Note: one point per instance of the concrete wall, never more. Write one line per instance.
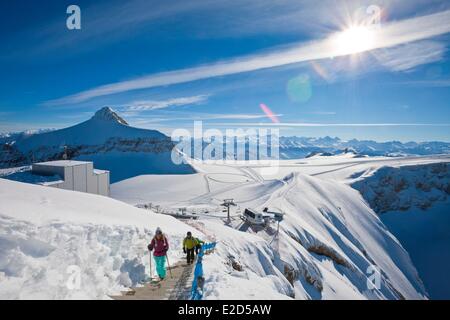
(80, 177)
(68, 178)
(103, 184)
(92, 183)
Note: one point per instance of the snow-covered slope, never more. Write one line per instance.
(329, 243)
(164, 189)
(46, 234)
(49, 236)
(107, 140)
(328, 239)
(335, 226)
(346, 168)
(104, 125)
(250, 266)
(409, 193)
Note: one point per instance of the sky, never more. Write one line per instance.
(375, 69)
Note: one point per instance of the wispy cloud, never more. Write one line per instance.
(408, 56)
(238, 116)
(201, 117)
(112, 20)
(305, 124)
(390, 35)
(146, 105)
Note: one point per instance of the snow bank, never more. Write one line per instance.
(242, 267)
(58, 244)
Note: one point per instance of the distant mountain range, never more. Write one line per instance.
(300, 147)
(304, 147)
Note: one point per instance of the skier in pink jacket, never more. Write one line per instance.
(159, 245)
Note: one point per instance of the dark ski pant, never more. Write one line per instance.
(190, 255)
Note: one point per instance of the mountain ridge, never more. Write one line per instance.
(106, 139)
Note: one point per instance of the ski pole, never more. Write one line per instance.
(168, 266)
(151, 272)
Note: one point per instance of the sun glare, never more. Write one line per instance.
(355, 40)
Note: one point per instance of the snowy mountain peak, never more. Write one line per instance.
(108, 114)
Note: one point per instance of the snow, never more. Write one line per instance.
(46, 232)
(258, 279)
(94, 131)
(300, 147)
(53, 232)
(328, 239)
(108, 114)
(403, 188)
(343, 168)
(137, 163)
(163, 189)
(62, 163)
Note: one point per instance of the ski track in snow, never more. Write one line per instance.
(399, 276)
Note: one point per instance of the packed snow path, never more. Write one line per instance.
(177, 287)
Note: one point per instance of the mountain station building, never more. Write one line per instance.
(74, 175)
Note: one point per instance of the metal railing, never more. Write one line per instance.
(197, 283)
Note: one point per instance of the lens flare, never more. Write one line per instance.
(320, 70)
(269, 113)
(299, 89)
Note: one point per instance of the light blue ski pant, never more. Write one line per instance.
(161, 266)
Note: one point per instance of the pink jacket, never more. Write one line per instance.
(160, 246)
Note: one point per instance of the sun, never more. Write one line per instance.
(354, 40)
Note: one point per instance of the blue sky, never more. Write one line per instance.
(163, 66)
